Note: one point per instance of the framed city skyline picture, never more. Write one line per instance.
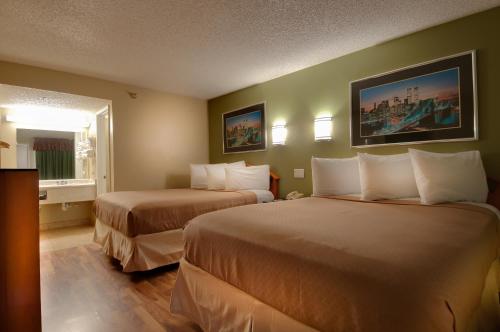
(245, 129)
(429, 102)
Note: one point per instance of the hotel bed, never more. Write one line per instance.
(143, 229)
(342, 264)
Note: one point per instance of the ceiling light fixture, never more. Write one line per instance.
(47, 118)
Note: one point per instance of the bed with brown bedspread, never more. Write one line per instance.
(143, 229)
(338, 265)
(144, 212)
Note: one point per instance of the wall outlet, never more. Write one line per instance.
(298, 173)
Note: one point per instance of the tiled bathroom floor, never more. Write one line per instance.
(64, 238)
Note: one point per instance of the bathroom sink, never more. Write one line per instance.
(43, 184)
(66, 191)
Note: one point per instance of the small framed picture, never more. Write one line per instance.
(245, 129)
(429, 102)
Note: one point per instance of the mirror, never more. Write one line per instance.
(56, 154)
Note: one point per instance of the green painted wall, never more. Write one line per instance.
(299, 97)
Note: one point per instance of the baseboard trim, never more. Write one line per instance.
(65, 223)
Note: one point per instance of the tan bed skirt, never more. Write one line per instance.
(218, 306)
(142, 252)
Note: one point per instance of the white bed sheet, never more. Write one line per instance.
(484, 205)
(263, 196)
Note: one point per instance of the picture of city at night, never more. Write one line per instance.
(244, 129)
(418, 104)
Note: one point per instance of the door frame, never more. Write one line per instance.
(110, 176)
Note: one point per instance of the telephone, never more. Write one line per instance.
(294, 195)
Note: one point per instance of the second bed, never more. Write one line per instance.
(143, 229)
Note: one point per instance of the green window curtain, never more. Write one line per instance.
(55, 158)
(55, 164)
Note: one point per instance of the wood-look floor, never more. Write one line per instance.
(67, 237)
(83, 290)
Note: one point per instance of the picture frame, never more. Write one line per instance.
(434, 101)
(244, 129)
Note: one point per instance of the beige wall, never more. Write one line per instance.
(156, 136)
(8, 135)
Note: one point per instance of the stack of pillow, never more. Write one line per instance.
(434, 177)
(233, 176)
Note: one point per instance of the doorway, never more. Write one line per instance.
(68, 139)
(103, 180)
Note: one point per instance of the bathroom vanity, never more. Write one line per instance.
(67, 191)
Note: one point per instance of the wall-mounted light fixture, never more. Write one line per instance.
(323, 128)
(279, 133)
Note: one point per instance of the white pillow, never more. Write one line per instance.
(198, 176)
(332, 176)
(252, 177)
(449, 177)
(216, 176)
(386, 177)
(240, 163)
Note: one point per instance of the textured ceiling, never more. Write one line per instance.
(206, 48)
(14, 95)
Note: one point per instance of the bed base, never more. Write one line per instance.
(214, 305)
(142, 252)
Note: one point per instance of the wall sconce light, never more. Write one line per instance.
(323, 128)
(279, 133)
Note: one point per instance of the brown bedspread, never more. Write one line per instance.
(341, 265)
(145, 212)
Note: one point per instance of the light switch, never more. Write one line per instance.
(298, 173)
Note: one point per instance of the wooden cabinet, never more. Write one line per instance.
(19, 251)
